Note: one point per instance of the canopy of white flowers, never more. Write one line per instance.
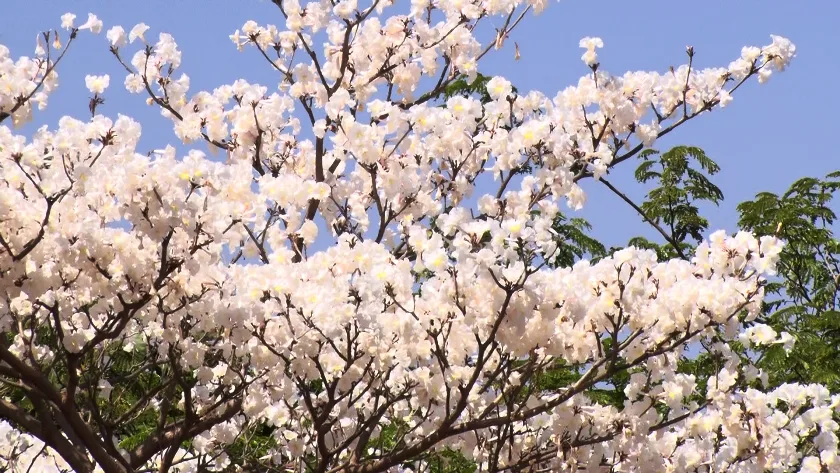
(431, 309)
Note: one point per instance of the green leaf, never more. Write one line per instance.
(681, 177)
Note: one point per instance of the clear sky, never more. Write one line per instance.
(769, 136)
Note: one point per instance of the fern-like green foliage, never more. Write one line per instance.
(574, 241)
(463, 87)
(682, 178)
(803, 299)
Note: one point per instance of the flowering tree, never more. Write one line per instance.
(170, 314)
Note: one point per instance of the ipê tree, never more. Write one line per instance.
(170, 314)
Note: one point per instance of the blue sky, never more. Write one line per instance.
(769, 136)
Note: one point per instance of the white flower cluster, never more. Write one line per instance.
(427, 315)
